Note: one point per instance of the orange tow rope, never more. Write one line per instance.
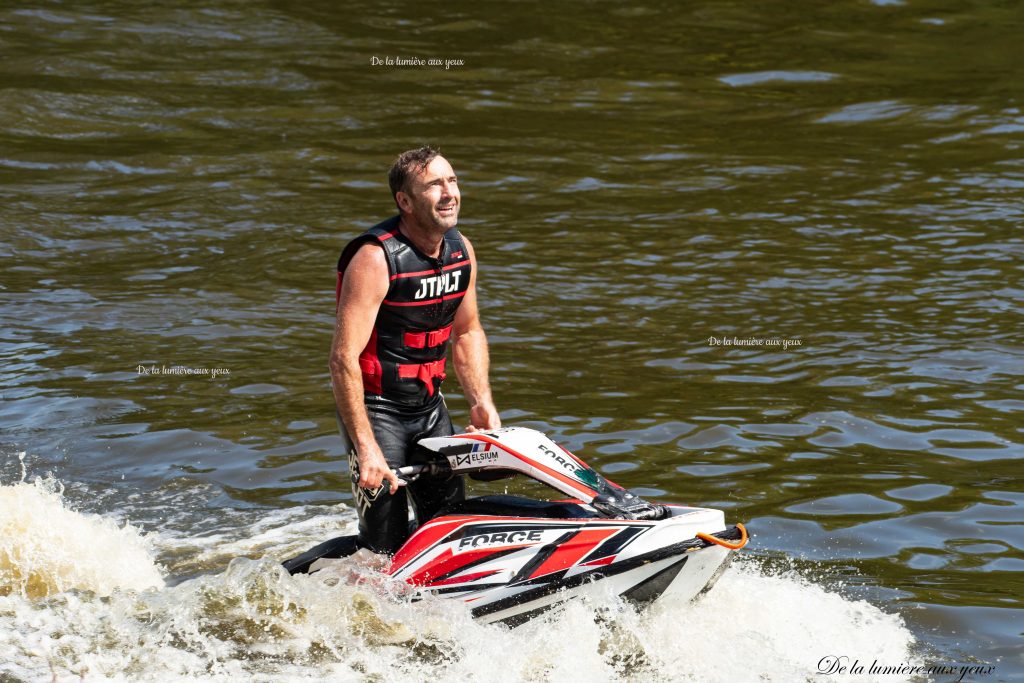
(726, 544)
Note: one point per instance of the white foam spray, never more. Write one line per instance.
(252, 621)
(46, 548)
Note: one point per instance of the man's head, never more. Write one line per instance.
(425, 189)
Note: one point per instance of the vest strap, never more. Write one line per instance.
(424, 372)
(426, 340)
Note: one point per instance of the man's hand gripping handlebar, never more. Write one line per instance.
(403, 475)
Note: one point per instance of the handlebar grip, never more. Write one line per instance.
(404, 474)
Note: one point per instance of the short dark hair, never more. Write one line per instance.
(418, 159)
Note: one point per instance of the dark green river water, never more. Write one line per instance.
(763, 257)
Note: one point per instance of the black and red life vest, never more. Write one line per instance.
(404, 361)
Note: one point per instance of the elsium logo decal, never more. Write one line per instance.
(483, 453)
(480, 454)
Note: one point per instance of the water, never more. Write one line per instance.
(251, 619)
(642, 186)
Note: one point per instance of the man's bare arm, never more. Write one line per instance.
(363, 289)
(472, 361)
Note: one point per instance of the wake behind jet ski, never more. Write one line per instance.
(510, 558)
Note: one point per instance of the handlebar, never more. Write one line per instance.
(409, 472)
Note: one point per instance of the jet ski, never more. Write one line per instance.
(511, 558)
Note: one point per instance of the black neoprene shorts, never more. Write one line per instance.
(383, 517)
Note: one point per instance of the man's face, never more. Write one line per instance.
(433, 198)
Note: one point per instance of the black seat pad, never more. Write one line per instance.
(516, 506)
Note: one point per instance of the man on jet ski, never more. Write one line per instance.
(405, 288)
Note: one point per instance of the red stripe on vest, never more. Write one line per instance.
(450, 266)
(447, 297)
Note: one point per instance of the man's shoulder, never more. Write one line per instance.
(368, 258)
(374, 242)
